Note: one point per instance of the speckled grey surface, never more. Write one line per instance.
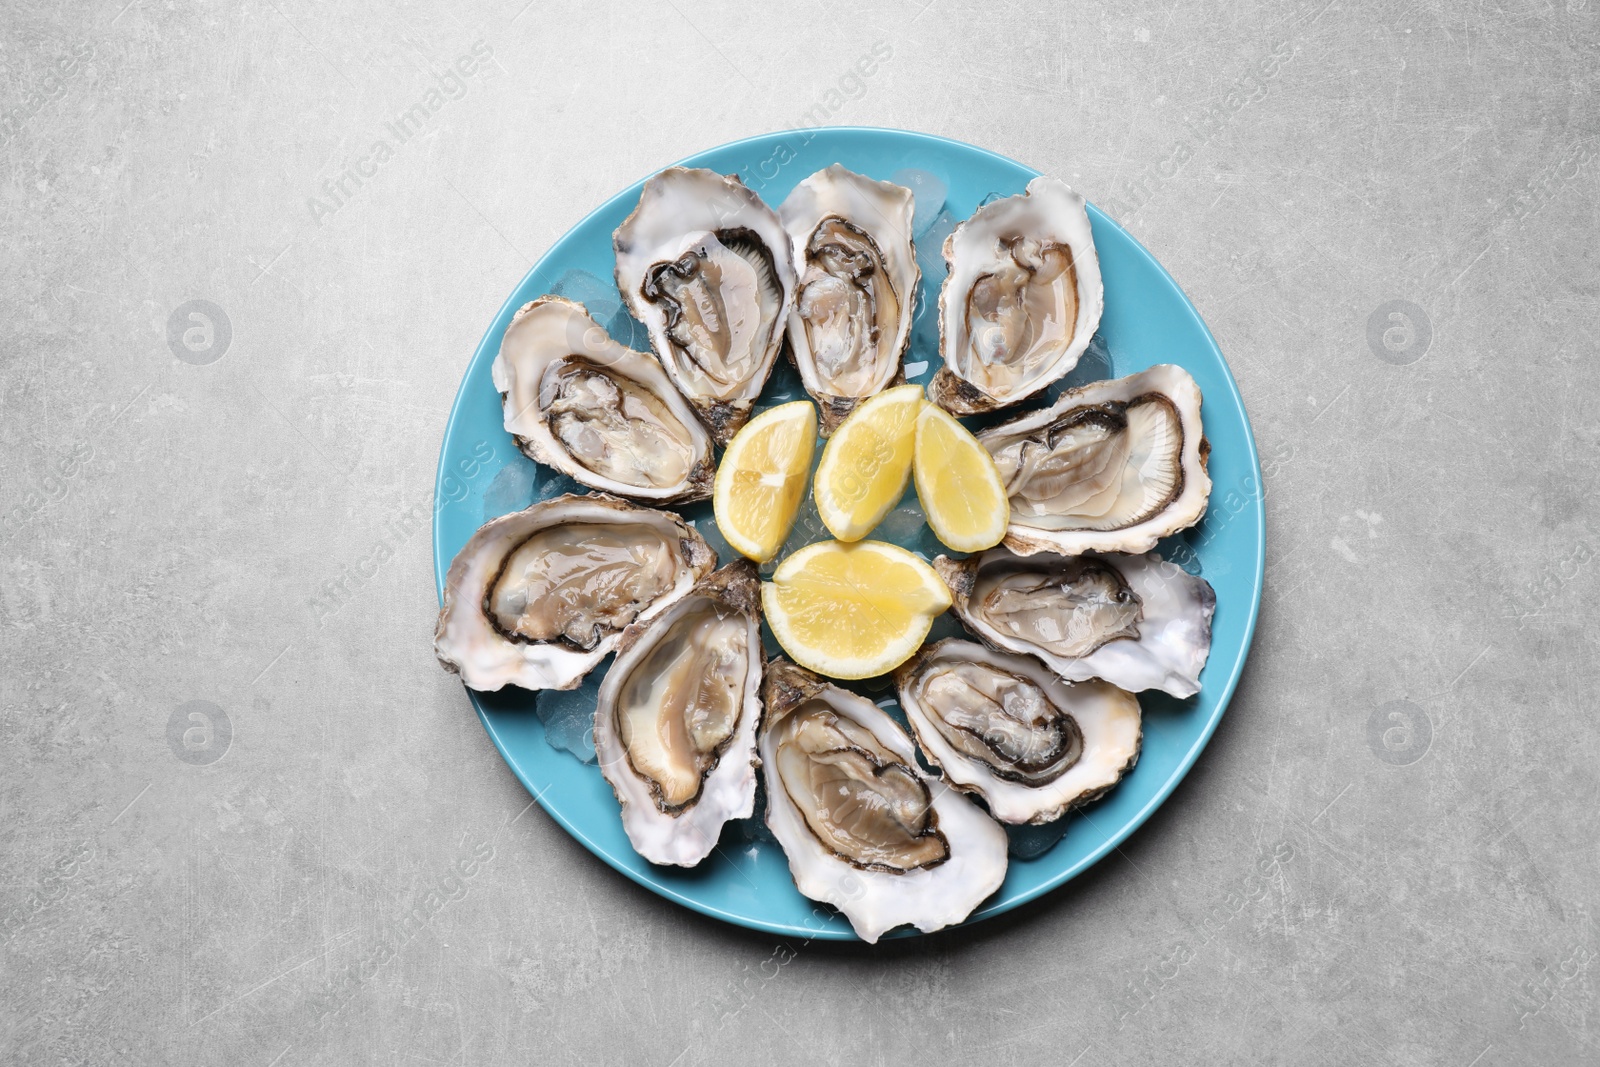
(1392, 235)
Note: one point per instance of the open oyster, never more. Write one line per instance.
(1113, 466)
(537, 598)
(1137, 622)
(857, 278)
(605, 415)
(706, 266)
(1022, 299)
(1003, 726)
(675, 726)
(864, 828)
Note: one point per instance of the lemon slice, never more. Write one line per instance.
(852, 610)
(867, 462)
(958, 484)
(762, 479)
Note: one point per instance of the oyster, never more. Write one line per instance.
(675, 726)
(605, 415)
(857, 277)
(1022, 299)
(705, 265)
(1113, 466)
(1137, 622)
(537, 598)
(1003, 726)
(864, 828)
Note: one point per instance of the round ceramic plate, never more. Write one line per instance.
(1147, 320)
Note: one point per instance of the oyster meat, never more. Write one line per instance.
(1113, 466)
(1022, 299)
(706, 266)
(857, 277)
(537, 598)
(1135, 621)
(603, 414)
(864, 828)
(1001, 725)
(675, 725)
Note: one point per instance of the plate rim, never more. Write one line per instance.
(995, 905)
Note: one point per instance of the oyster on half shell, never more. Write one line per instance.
(857, 277)
(1021, 302)
(1137, 622)
(675, 725)
(603, 414)
(864, 828)
(706, 266)
(1001, 725)
(539, 597)
(1113, 466)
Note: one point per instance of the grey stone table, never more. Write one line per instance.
(214, 536)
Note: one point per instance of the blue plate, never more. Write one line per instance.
(1147, 320)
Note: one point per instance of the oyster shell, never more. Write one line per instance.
(1001, 725)
(1137, 622)
(605, 415)
(1113, 466)
(1022, 299)
(537, 598)
(706, 266)
(864, 828)
(675, 725)
(857, 278)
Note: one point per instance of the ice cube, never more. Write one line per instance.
(557, 484)
(512, 488)
(929, 192)
(599, 297)
(568, 716)
(1093, 366)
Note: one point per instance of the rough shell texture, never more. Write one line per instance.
(679, 209)
(553, 329)
(1174, 636)
(728, 789)
(878, 901)
(1049, 210)
(1107, 718)
(882, 212)
(1187, 505)
(468, 644)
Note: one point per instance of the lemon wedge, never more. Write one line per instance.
(762, 479)
(852, 610)
(867, 463)
(958, 484)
